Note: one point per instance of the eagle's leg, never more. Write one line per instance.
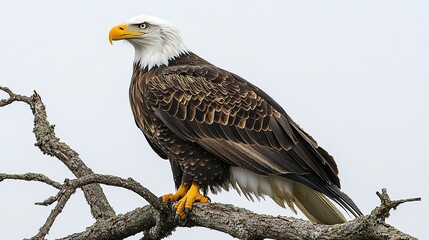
(185, 204)
(181, 191)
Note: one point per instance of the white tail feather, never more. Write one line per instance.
(314, 205)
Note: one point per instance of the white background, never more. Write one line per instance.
(353, 74)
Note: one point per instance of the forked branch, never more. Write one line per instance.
(51, 145)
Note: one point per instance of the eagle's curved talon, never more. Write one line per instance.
(187, 212)
(169, 203)
(180, 221)
(183, 223)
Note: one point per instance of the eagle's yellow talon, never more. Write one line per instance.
(193, 195)
(181, 191)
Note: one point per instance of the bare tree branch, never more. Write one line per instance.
(31, 177)
(129, 184)
(387, 204)
(119, 227)
(51, 145)
(156, 220)
(70, 186)
(13, 97)
(244, 224)
(164, 219)
(48, 201)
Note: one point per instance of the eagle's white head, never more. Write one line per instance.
(155, 40)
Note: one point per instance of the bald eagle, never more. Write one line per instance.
(219, 131)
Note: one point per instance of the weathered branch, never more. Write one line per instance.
(30, 177)
(244, 224)
(62, 197)
(241, 223)
(129, 184)
(70, 186)
(50, 144)
(119, 227)
(164, 220)
(13, 97)
(157, 220)
(387, 204)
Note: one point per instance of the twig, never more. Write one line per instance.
(387, 204)
(63, 196)
(48, 201)
(13, 97)
(31, 177)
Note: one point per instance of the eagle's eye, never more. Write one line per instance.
(142, 25)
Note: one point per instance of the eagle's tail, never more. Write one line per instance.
(315, 206)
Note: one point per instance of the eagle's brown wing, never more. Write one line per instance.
(242, 125)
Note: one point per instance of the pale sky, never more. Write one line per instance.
(354, 75)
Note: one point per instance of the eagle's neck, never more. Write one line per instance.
(158, 51)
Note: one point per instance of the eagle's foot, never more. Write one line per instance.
(184, 206)
(169, 198)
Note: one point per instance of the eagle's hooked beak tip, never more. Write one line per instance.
(116, 32)
(111, 35)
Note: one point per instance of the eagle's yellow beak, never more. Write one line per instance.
(120, 32)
